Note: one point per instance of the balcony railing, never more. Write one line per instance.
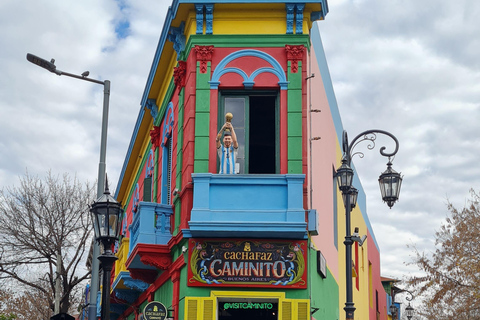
(122, 254)
(263, 206)
(151, 224)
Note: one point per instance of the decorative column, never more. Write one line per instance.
(202, 107)
(295, 55)
(294, 17)
(204, 55)
(179, 73)
(174, 272)
(155, 135)
(200, 15)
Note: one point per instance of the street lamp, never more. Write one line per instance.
(106, 215)
(352, 193)
(408, 310)
(390, 182)
(50, 66)
(393, 311)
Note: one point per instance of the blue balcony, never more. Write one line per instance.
(149, 236)
(151, 224)
(261, 206)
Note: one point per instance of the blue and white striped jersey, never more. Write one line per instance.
(228, 157)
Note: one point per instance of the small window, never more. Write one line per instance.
(255, 119)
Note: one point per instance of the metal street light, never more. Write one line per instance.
(390, 182)
(50, 66)
(345, 176)
(352, 193)
(409, 310)
(393, 311)
(106, 215)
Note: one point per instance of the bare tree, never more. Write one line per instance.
(43, 221)
(451, 287)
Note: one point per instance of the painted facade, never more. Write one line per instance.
(266, 243)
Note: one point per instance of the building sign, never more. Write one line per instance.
(155, 311)
(247, 310)
(238, 263)
(247, 305)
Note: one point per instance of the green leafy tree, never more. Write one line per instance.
(451, 287)
(42, 222)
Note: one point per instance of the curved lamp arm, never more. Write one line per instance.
(390, 181)
(369, 135)
(409, 310)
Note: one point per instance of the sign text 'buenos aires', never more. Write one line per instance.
(247, 262)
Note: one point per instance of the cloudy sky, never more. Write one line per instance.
(412, 68)
(406, 66)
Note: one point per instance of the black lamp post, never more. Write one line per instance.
(390, 182)
(106, 213)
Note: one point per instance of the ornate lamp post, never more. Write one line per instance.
(106, 214)
(408, 310)
(390, 182)
(50, 66)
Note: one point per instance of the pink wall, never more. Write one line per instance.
(374, 259)
(323, 159)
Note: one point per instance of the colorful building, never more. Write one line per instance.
(266, 243)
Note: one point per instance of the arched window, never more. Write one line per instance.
(255, 119)
(167, 151)
(148, 182)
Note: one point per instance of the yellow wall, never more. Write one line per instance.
(361, 297)
(256, 18)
